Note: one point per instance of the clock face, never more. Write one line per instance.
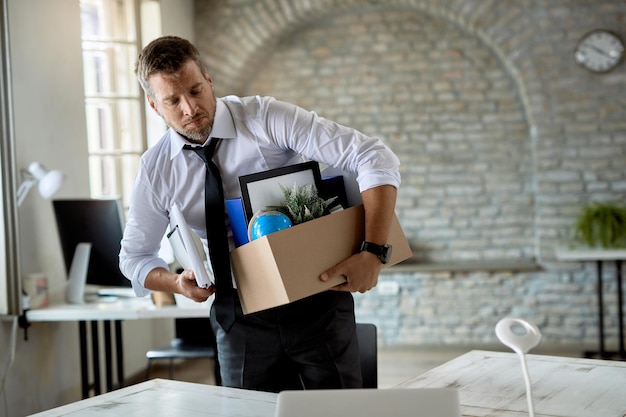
(599, 51)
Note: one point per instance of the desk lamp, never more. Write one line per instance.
(49, 181)
(521, 336)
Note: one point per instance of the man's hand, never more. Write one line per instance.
(160, 279)
(360, 270)
(186, 284)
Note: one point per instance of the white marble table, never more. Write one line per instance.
(492, 384)
(166, 398)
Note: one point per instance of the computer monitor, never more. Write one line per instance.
(99, 222)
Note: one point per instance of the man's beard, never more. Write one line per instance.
(194, 136)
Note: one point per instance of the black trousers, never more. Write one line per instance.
(308, 344)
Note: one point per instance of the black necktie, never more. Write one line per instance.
(217, 236)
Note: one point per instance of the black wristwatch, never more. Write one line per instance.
(382, 251)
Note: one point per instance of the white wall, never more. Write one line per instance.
(177, 18)
(49, 122)
(50, 128)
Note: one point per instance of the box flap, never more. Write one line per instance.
(324, 241)
(251, 262)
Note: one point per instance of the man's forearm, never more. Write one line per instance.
(160, 279)
(379, 204)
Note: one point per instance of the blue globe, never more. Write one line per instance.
(266, 222)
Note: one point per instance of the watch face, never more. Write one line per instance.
(599, 51)
(386, 257)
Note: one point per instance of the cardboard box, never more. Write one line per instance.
(285, 266)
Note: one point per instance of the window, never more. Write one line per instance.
(113, 98)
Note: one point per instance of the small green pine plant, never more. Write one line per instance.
(601, 225)
(302, 203)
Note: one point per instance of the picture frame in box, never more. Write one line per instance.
(262, 189)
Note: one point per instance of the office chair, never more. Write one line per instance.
(368, 348)
(194, 339)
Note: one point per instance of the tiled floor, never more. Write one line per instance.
(395, 365)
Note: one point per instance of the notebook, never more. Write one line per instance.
(392, 402)
(185, 250)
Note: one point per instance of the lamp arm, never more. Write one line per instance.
(24, 188)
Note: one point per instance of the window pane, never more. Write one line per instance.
(102, 176)
(94, 72)
(108, 20)
(100, 136)
(129, 169)
(129, 126)
(113, 175)
(114, 125)
(108, 69)
(113, 100)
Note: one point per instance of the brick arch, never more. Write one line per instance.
(447, 108)
(240, 39)
(424, 167)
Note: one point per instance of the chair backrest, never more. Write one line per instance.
(368, 347)
(198, 331)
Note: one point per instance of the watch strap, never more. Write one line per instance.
(382, 251)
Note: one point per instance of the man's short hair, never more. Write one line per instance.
(165, 55)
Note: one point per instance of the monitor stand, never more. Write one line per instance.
(75, 289)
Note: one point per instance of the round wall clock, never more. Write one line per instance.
(599, 50)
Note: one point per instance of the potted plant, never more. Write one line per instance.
(302, 203)
(602, 226)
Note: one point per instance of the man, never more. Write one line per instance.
(310, 343)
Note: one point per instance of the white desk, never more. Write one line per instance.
(120, 309)
(111, 314)
(165, 398)
(599, 256)
(489, 384)
(492, 384)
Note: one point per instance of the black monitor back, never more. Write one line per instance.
(99, 222)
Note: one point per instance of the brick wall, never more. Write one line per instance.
(502, 138)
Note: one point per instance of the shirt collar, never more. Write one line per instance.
(223, 127)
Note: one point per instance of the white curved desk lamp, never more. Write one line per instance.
(521, 342)
(49, 181)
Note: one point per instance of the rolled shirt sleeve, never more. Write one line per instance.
(333, 144)
(146, 225)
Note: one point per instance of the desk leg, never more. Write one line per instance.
(620, 309)
(84, 370)
(119, 351)
(95, 356)
(602, 351)
(108, 355)
(95, 349)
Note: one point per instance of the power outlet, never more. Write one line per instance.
(388, 288)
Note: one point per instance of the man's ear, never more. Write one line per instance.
(152, 105)
(207, 77)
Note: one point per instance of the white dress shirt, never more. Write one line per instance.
(259, 133)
